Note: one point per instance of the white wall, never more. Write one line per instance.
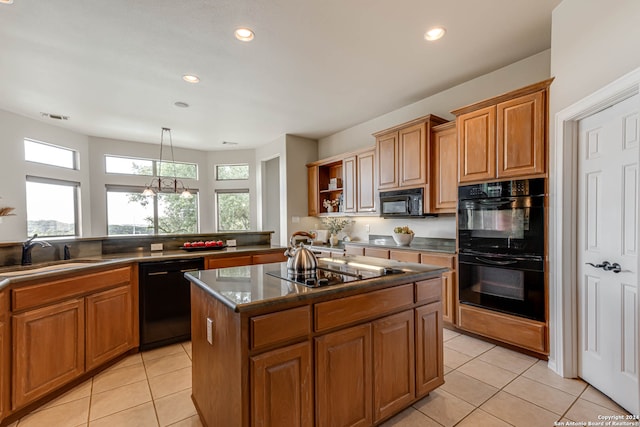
(522, 73)
(592, 43)
(207, 204)
(14, 169)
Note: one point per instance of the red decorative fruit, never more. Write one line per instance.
(187, 244)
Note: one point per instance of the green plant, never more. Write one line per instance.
(335, 224)
(403, 230)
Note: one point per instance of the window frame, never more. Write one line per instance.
(217, 206)
(138, 189)
(74, 154)
(217, 174)
(155, 169)
(76, 201)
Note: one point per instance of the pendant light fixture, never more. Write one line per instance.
(163, 184)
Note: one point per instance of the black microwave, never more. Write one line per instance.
(402, 203)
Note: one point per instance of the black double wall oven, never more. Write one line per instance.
(501, 238)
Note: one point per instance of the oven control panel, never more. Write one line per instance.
(515, 188)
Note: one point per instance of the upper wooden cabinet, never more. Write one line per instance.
(403, 153)
(359, 182)
(504, 137)
(354, 173)
(444, 152)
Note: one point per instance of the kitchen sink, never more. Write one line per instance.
(42, 268)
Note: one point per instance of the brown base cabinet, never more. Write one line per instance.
(48, 349)
(343, 377)
(66, 327)
(282, 395)
(109, 325)
(354, 360)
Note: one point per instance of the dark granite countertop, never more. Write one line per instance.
(17, 274)
(420, 244)
(250, 287)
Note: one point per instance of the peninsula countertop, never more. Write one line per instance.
(249, 287)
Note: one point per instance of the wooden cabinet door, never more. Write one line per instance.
(282, 387)
(429, 351)
(413, 154)
(48, 349)
(350, 178)
(366, 182)
(520, 136)
(313, 195)
(477, 145)
(109, 325)
(4, 369)
(448, 296)
(387, 158)
(444, 185)
(393, 364)
(343, 378)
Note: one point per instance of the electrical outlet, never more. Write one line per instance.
(210, 330)
(231, 242)
(156, 246)
(367, 228)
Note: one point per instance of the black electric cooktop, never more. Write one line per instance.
(332, 272)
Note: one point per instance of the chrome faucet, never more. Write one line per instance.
(28, 245)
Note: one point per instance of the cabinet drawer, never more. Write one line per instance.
(440, 260)
(428, 291)
(376, 252)
(235, 261)
(331, 314)
(280, 327)
(267, 258)
(57, 290)
(521, 332)
(406, 256)
(353, 250)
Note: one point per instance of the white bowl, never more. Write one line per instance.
(403, 239)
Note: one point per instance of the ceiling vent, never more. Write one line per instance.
(54, 116)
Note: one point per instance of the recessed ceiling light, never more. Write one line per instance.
(181, 104)
(55, 116)
(6, 1)
(434, 33)
(190, 78)
(244, 34)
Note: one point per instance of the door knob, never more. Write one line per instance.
(607, 266)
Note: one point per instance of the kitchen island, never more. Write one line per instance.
(271, 352)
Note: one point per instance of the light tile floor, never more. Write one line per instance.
(485, 385)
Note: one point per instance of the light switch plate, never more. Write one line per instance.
(231, 242)
(156, 246)
(210, 330)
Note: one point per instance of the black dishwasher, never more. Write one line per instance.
(165, 301)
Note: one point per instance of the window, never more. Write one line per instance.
(134, 166)
(40, 152)
(229, 172)
(52, 207)
(233, 210)
(129, 212)
(128, 166)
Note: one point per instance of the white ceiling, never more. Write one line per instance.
(315, 66)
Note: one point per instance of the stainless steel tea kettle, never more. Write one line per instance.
(301, 259)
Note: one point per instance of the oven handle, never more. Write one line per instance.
(494, 262)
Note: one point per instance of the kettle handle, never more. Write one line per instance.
(299, 233)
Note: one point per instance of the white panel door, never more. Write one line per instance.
(608, 251)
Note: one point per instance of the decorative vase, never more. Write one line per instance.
(333, 240)
(403, 239)
(329, 208)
